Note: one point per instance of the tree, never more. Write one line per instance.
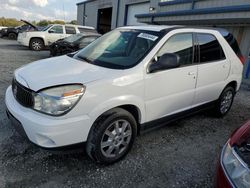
(74, 22)
(9, 22)
(43, 23)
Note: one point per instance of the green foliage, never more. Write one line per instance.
(74, 22)
(12, 22)
(47, 22)
(9, 22)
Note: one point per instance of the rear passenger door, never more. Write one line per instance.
(213, 68)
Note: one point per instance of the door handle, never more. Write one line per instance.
(191, 73)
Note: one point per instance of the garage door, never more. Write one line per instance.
(140, 8)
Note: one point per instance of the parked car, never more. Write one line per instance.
(40, 39)
(12, 32)
(72, 43)
(127, 81)
(234, 167)
(3, 27)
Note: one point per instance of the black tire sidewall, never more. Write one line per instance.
(98, 131)
(218, 111)
(12, 36)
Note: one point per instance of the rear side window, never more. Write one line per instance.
(210, 48)
(180, 44)
(232, 42)
(70, 30)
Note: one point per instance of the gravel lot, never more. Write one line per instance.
(183, 154)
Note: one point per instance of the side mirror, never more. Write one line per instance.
(166, 61)
(52, 31)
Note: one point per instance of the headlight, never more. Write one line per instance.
(58, 100)
(236, 169)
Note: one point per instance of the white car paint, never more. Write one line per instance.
(155, 95)
(48, 38)
(2, 27)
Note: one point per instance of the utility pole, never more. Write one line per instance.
(63, 12)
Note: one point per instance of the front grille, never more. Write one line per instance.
(22, 94)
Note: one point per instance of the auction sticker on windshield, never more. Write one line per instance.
(148, 36)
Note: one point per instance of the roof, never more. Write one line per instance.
(159, 28)
(152, 27)
(83, 2)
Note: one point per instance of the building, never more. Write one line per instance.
(234, 15)
(105, 15)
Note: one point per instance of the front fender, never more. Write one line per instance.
(119, 101)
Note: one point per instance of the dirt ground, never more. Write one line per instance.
(183, 154)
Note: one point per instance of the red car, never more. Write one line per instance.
(234, 167)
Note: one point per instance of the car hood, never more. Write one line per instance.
(30, 24)
(58, 71)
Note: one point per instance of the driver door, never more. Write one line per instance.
(55, 33)
(171, 91)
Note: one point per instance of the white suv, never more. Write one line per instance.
(38, 40)
(129, 80)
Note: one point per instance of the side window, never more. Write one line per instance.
(210, 48)
(58, 29)
(180, 44)
(70, 30)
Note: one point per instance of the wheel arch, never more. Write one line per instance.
(135, 111)
(233, 84)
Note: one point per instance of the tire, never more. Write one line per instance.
(224, 103)
(107, 143)
(36, 44)
(12, 36)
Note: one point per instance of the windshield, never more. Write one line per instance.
(73, 38)
(119, 49)
(46, 28)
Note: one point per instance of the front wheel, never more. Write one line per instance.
(112, 136)
(225, 102)
(36, 44)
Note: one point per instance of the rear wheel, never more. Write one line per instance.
(12, 36)
(112, 136)
(225, 102)
(36, 44)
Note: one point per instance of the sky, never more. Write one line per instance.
(39, 9)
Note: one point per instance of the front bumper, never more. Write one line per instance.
(47, 131)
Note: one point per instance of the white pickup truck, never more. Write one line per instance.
(38, 40)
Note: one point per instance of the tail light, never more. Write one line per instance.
(242, 59)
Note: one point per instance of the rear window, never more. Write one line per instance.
(210, 48)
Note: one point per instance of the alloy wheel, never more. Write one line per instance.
(36, 45)
(116, 138)
(226, 102)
